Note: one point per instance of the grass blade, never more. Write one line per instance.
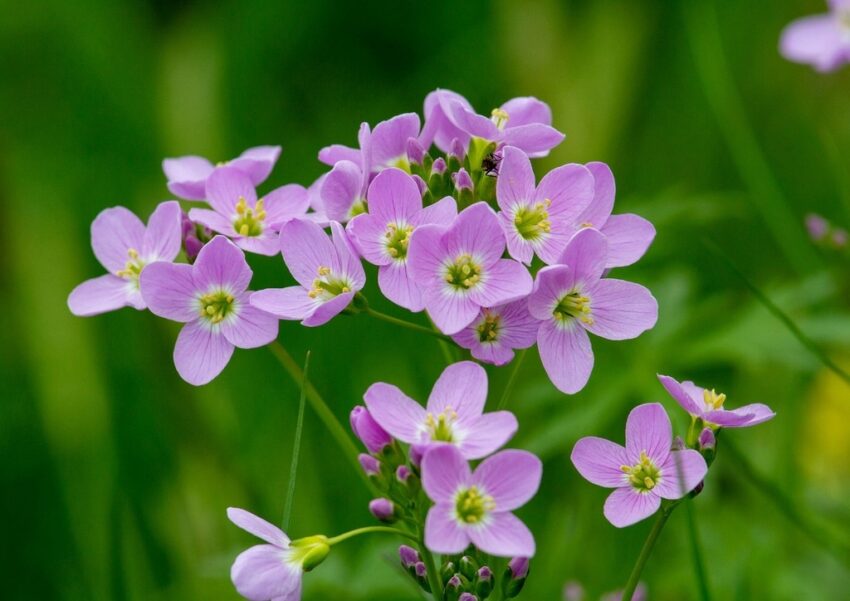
(296, 447)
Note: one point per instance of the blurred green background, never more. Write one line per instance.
(115, 474)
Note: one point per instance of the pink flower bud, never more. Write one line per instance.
(373, 436)
(382, 509)
(370, 465)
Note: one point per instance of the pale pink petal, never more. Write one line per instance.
(502, 282)
(285, 203)
(349, 263)
(527, 109)
(566, 354)
(476, 232)
(162, 238)
(503, 535)
(225, 187)
(693, 405)
(444, 471)
(599, 461)
(341, 189)
(368, 234)
(569, 189)
(291, 303)
(262, 573)
(488, 433)
(396, 284)
(599, 210)
(621, 310)
(442, 532)
(551, 283)
(462, 387)
(250, 327)
(680, 474)
(306, 248)
(389, 139)
(99, 295)
(393, 197)
(648, 430)
(536, 139)
(442, 212)
(450, 311)
(515, 184)
(169, 291)
(816, 40)
(426, 254)
(627, 506)
(748, 415)
(215, 221)
(511, 477)
(187, 176)
(114, 232)
(257, 526)
(331, 155)
(221, 264)
(629, 236)
(201, 353)
(586, 255)
(266, 244)
(257, 162)
(395, 412)
(327, 310)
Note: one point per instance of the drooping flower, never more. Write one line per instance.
(343, 190)
(572, 299)
(475, 507)
(822, 41)
(211, 298)
(643, 472)
(187, 175)
(539, 219)
(524, 122)
(438, 129)
(367, 430)
(497, 331)
(124, 246)
(388, 145)
(629, 235)
(273, 571)
(460, 268)
(454, 413)
(383, 234)
(327, 271)
(252, 224)
(707, 405)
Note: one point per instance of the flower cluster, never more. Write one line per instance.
(449, 212)
(822, 41)
(653, 468)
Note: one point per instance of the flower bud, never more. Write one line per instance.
(420, 183)
(383, 510)
(707, 440)
(439, 166)
(420, 569)
(678, 444)
(456, 150)
(402, 474)
(454, 588)
(467, 597)
(409, 556)
(484, 582)
(310, 551)
(417, 451)
(447, 571)
(514, 577)
(373, 436)
(462, 180)
(370, 465)
(573, 591)
(839, 238)
(468, 567)
(817, 227)
(415, 151)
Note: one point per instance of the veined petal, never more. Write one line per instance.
(444, 471)
(327, 310)
(396, 284)
(187, 176)
(257, 526)
(551, 283)
(349, 262)
(599, 210)
(215, 221)
(442, 212)
(99, 295)
(341, 189)
(648, 430)
(257, 162)
(266, 244)
(393, 197)
(226, 186)
(426, 254)
(621, 310)
(389, 139)
(569, 189)
(251, 328)
(527, 109)
(511, 477)
(488, 433)
(477, 232)
(442, 532)
(462, 387)
(169, 291)
(694, 406)
(627, 506)
(629, 236)
(586, 254)
(748, 415)
(450, 311)
(515, 184)
(599, 460)
(113, 233)
(536, 139)
(566, 354)
(306, 248)
(162, 237)
(395, 412)
(221, 264)
(503, 281)
(680, 474)
(285, 203)
(503, 535)
(290, 303)
(368, 233)
(201, 353)
(261, 573)
(331, 155)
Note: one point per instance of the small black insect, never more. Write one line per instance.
(490, 164)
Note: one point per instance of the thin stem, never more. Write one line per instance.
(430, 566)
(779, 314)
(406, 324)
(368, 530)
(696, 553)
(506, 393)
(321, 408)
(838, 547)
(296, 447)
(631, 585)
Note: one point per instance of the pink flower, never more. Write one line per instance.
(327, 271)
(496, 332)
(707, 405)
(475, 507)
(211, 298)
(643, 472)
(573, 299)
(343, 189)
(822, 41)
(387, 145)
(383, 234)
(454, 415)
(124, 246)
(187, 175)
(460, 268)
(252, 224)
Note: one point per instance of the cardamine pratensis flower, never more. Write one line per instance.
(539, 219)
(273, 571)
(252, 224)
(383, 234)
(327, 270)
(454, 413)
(822, 41)
(643, 472)
(388, 145)
(475, 507)
(460, 268)
(124, 246)
(211, 298)
(707, 405)
(343, 190)
(497, 331)
(373, 436)
(187, 175)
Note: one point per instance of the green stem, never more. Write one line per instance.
(406, 324)
(779, 314)
(837, 547)
(506, 393)
(430, 566)
(296, 447)
(368, 530)
(696, 553)
(631, 585)
(321, 408)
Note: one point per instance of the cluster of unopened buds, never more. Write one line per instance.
(452, 216)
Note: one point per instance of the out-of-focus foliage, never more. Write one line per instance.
(115, 473)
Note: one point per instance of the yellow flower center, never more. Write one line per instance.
(644, 475)
(464, 273)
(326, 286)
(488, 329)
(472, 505)
(132, 268)
(500, 117)
(712, 399)
(573, 306)
(532, 222)
(215, 306)
(397, 240)
(440, 425)
(249, 221)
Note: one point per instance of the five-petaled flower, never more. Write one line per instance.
(497, 331)
(187, 175)
(327, 271)
(251, 223)
(454, 413)
(643, 472)
(572, 299)
(383, 234)
(124, 246)
(475, 507)
(707, 405)
(211, 298)
(540, 219)
(460, 268)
